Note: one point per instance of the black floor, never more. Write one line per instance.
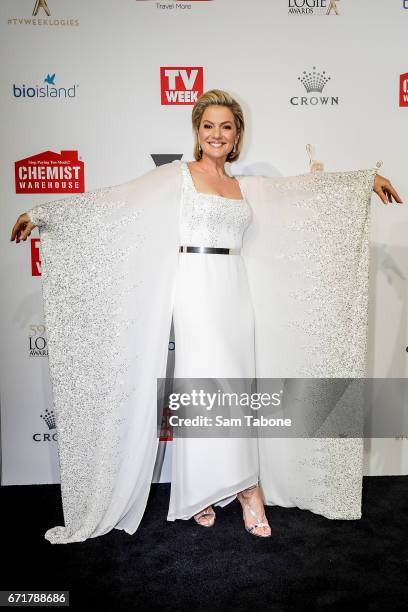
(309, 562)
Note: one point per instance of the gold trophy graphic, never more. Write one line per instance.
(332, 7)
(41, 4)
(314, 164)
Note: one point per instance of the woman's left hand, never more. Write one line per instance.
(385, 190)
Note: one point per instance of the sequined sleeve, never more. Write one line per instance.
(48, 213)
(307, 259)
(37, 214)
(107, 256)
(355, 182)
(311, 233)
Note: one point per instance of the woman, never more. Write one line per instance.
(112, 278)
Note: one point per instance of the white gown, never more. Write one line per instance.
(214, 337)
(111, 301)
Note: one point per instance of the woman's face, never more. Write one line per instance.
(217, 133)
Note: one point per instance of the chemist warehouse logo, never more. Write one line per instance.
(314, 83)
(48, 417)
(313, 7)
(181, 84)
(50, 172)
(51, 89)
(41, 16)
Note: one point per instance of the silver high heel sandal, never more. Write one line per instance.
(259, 521)
(208, 515)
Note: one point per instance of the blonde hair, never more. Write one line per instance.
(223, 98)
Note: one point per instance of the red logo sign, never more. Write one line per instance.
(404, 89)
(166, 430)
(182, 85)
(50, 172)
(35, 257)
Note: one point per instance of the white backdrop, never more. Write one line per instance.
(110, 57)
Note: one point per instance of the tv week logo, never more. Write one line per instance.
(181, 85)
(35, 257)
(403, 90)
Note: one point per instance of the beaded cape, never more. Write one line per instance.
(109, 260)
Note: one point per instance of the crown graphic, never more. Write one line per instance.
(49, 417)
(314, 81)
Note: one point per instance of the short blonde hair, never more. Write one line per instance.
(223, 98)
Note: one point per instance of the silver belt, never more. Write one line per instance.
(217, 250)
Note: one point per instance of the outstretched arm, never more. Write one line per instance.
(385, 190)
(22, 228)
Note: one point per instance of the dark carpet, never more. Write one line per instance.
(310, 562)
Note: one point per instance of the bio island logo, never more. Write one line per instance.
(49, 90)
(314, 82)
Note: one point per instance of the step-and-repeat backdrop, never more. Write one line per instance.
(96, 93)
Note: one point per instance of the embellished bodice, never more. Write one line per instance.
(210, 219)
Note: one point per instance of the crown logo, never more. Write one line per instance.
(49, 417)
(314, 81)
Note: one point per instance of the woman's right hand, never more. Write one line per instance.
(22, 228)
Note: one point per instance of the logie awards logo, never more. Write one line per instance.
(41, 16)
(313, 7)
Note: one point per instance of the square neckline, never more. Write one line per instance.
(217, 195)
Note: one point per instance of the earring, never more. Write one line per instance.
(234, 149)
(199, 148)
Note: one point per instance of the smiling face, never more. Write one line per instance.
(217, 133)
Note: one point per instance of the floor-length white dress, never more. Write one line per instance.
(214, 338)
(303, 268)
